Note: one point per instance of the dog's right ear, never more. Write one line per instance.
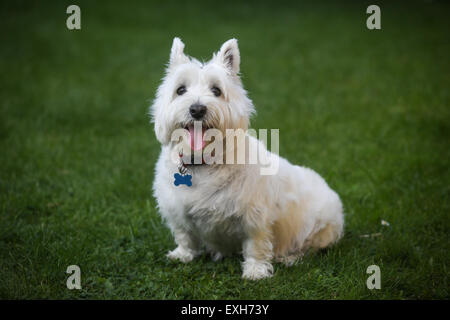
(177, 55)
(229, 57)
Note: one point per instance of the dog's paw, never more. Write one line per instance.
(181, 254)
(255, 270)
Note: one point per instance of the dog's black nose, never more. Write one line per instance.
(197, 110)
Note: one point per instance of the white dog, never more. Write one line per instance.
(233, 208)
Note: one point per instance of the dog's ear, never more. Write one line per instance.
(177, 55)
(229, 57)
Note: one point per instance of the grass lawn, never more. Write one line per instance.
(368, 110)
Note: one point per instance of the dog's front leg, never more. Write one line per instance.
(188, 246)
(258, 253)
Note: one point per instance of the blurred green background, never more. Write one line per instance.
(368, 110)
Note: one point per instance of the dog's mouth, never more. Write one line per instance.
(196, 136)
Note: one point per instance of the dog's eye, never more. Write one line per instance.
(181, 90)
(216, 91)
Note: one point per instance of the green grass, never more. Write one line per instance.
(368, 110)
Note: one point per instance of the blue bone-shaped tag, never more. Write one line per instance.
(179, 179)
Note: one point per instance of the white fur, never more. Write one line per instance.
(232, 208)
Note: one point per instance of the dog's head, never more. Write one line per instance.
(209, 92)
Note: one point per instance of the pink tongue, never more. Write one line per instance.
(197, 142)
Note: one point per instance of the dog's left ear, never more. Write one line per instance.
(229, 57)
(177, 55)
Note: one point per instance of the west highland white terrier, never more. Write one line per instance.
(224, 208)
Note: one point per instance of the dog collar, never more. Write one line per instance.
(182, 177)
